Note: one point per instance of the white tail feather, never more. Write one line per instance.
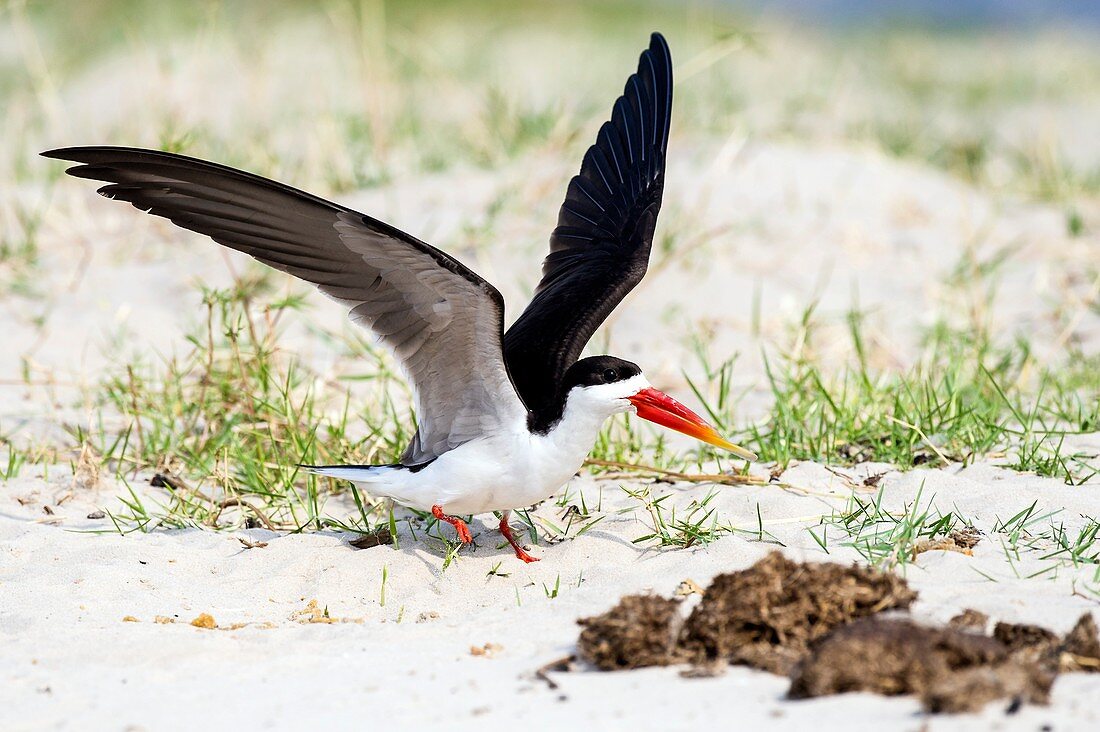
(354, 473)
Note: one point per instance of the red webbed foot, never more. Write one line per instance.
(507, 531)
(460, 526)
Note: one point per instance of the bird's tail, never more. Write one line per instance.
(354, 473)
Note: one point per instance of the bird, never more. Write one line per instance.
(504, 417)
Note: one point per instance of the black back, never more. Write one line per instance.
(600, 248)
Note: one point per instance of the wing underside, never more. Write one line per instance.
(442, 321)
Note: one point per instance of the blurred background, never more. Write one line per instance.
(350, 93)
(891, 173)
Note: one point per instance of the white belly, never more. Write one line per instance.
(485, 475)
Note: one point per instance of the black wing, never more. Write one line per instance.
(600, 248)
(443, 322)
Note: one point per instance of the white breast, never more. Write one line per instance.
(509, 468)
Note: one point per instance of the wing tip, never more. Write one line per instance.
(118, 154)
(75, 154)
(84, 167)
(658, 47)
(60, 153)
(86, 158)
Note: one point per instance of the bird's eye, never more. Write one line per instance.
(609, 375)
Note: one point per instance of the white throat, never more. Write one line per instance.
(586, 410)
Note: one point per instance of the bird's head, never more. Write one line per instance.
(612, 385)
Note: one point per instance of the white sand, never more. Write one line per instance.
(70, 662)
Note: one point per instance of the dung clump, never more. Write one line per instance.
(1025, 637)
(970, 689)
(819, 624)
(642, 630)
(969, 619)
(766, 616)
(947, 669)
(1080, 650)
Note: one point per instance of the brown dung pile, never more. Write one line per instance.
(949, 670)
(764, 616)
(1079, 650)
(820, 624)
(642, 630)
(767, 616)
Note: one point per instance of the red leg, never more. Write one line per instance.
(459, 524)
(507, 531)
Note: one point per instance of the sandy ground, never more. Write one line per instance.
(791, 223)
(71, 661)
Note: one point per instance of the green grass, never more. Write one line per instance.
(883, 537)
(20, 251)
(575, 518)
(698, 524)
(12, 464)
(892, 538)
(235, 415)
(228, 421)
(964, 399)
(1079, 547)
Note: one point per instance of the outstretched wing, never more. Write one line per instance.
(600, 248)
(442, 321)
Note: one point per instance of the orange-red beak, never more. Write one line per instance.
(658, 407)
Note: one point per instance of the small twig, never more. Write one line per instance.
(847, 480)
(727, 478)
(375, 538)
(1090, 598)
(871, 481)
(562, 664)
(921, 434)
(231, 502)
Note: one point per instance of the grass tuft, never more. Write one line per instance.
(964, 399)
(227, 424)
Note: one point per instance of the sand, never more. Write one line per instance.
(72, 659)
